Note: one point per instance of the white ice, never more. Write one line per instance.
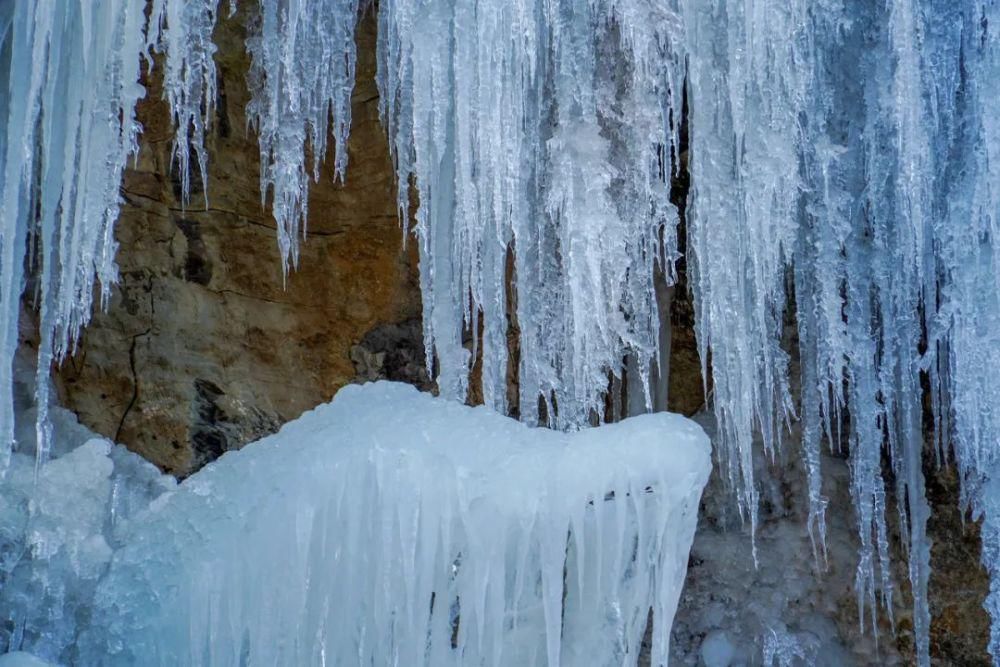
(539, 138)
(392, 527)
(69, 82)
(301, 79)
(59, 529)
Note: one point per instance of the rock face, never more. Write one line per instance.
(733, 610)
(804, 609)
(203, 346)
(960, 626)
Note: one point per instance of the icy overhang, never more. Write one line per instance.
(391, 527)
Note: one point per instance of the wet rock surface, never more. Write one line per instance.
(803, 608)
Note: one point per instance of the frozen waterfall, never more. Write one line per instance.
(843, 156)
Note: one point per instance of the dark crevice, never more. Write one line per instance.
(131, 360)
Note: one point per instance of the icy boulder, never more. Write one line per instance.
(59, 524)
(390, 527)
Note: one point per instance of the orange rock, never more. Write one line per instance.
(203, 346)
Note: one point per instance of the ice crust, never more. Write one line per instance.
(391, 527)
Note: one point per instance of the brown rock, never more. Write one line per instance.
(203, 347)
(960, 626)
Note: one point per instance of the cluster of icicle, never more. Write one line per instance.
(301, 78)
(843, 161)
(844, 167)
(543, 131)
(846, 153)
(70, 71)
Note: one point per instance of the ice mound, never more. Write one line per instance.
(60, 522)
(390, 527)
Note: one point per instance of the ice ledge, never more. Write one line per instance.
(392, 527)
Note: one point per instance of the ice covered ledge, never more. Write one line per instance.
(392, 527)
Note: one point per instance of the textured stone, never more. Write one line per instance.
(393, 352)
(960, 626)
(787, 593)
(203, 347)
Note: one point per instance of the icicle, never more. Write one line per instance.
(847, 149)
(557, 145)
(302, 73)
(801, 161)
(746, 75)
(967, 322)
(182, 30)
(71, 73)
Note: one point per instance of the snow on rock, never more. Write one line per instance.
(392, 527)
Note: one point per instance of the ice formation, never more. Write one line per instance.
(67, 126)
(843, 158)
(862, 204)
(379, 526)
(70, 71)
(540, 139)
(884, 213)
(57, 536)
(59, 529)
(182, 31)
(301, 78)
(392, 527)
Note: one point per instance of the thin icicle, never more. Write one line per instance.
(302, 74)
(747, 69)
(182, 30)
